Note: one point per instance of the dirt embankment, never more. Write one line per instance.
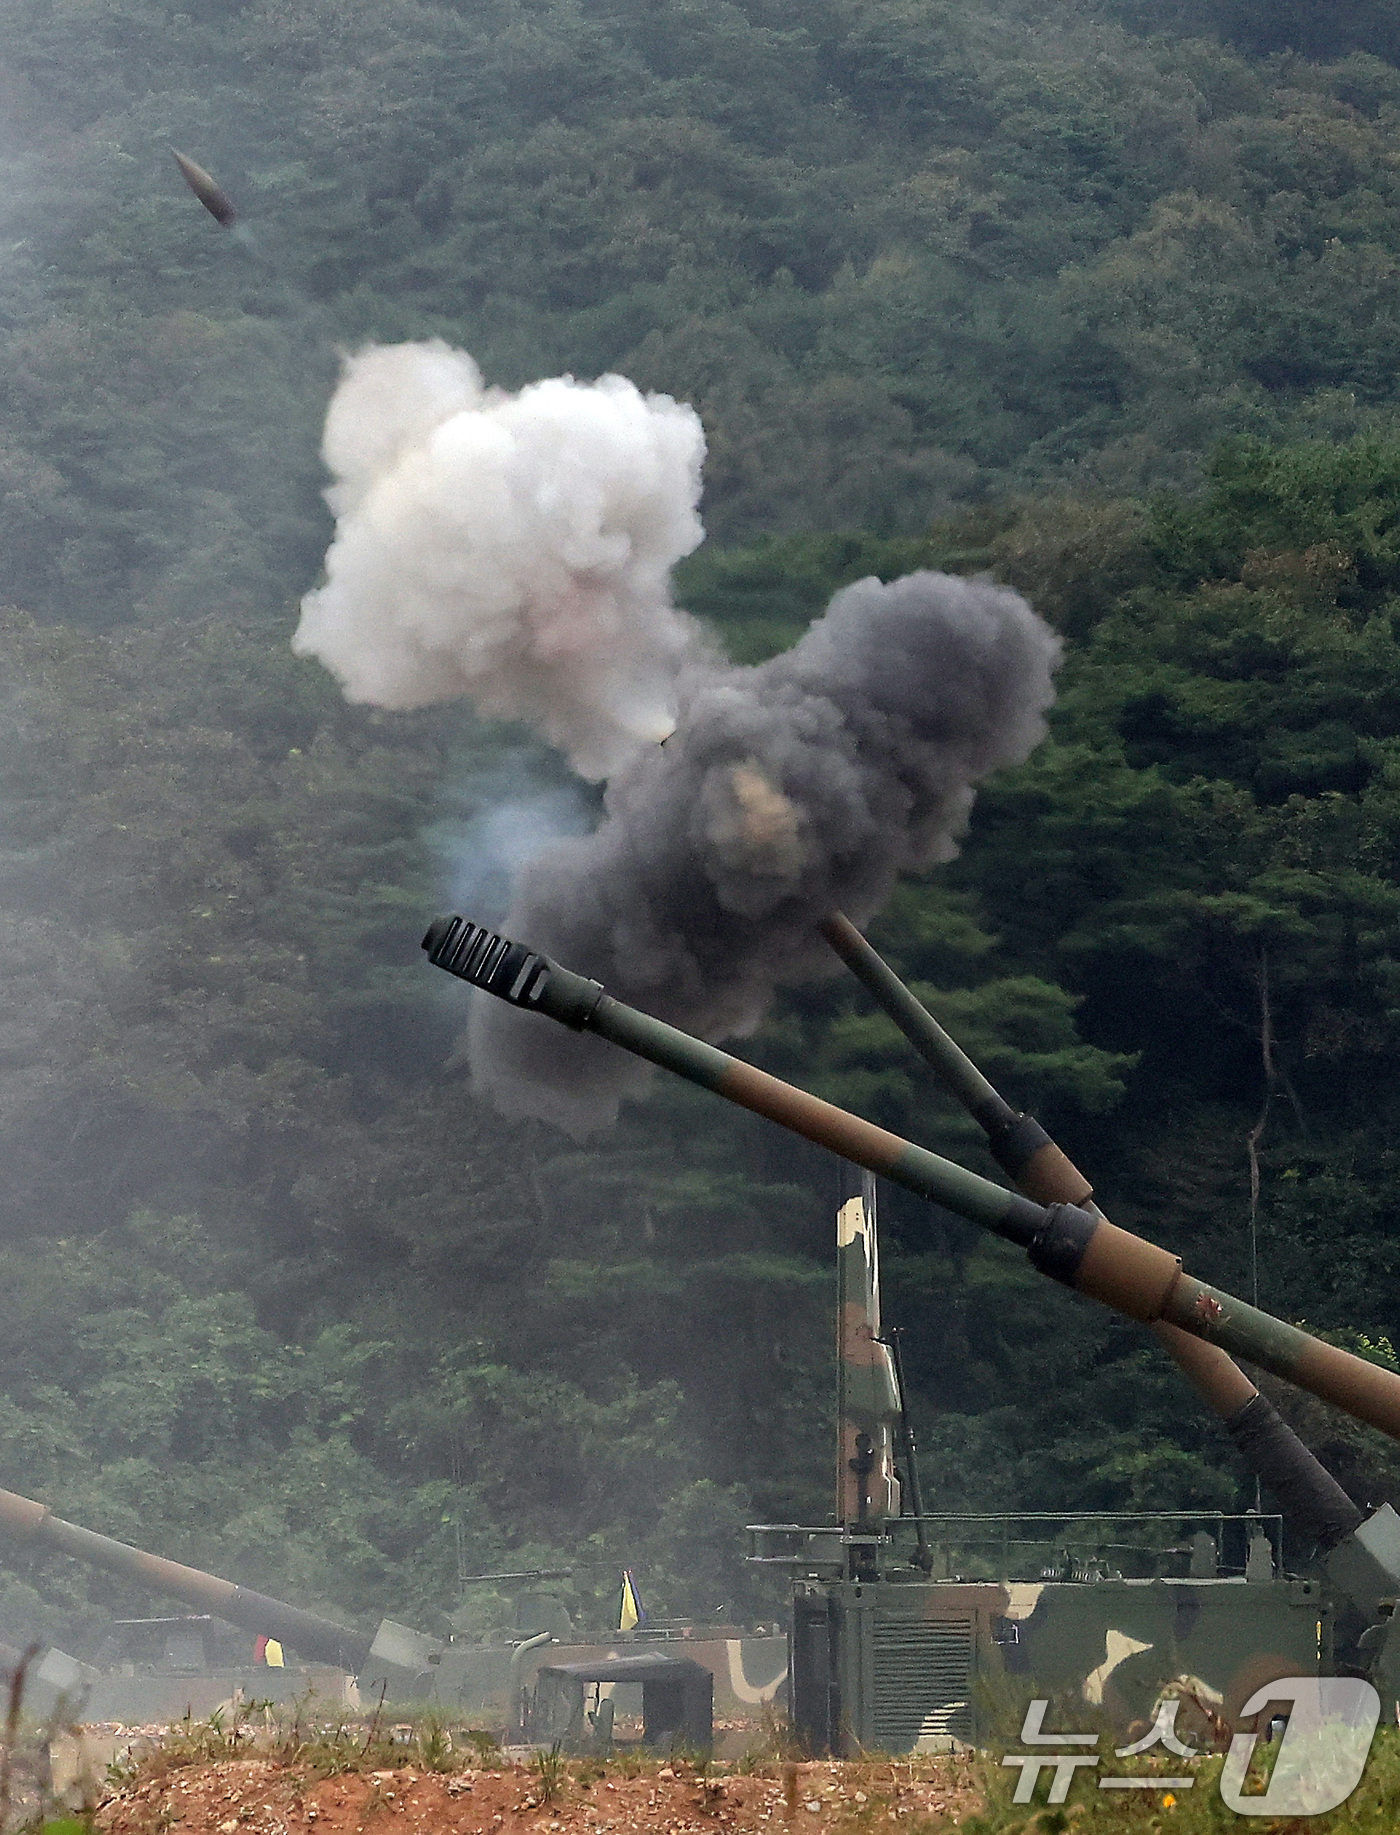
(268, 1797)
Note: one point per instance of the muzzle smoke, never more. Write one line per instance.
(514, 550)
(805, 784)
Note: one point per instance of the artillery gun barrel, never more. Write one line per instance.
(320, 1640)
(1311, 1497)
(1071, 1245)
(1018, 1143)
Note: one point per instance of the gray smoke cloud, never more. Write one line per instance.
(514, 550)
(805, 784)
(517, 812)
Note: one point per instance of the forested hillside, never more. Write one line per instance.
(980, 287)
(901, 254)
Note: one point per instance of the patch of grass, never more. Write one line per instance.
(317, 1747)
(484, 1747)
(778, 1743)
(1373, 1808)
(631, 1764)
(551, 1770)
(435, 1747)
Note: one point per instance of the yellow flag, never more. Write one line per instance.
(632, 1612)
(272, 1654)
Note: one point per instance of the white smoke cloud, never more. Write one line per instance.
(516, 550)
(512, 550)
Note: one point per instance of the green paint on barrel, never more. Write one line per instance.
(920, 1171)
(1067, 1244)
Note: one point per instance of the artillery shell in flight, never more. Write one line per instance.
(209, 192)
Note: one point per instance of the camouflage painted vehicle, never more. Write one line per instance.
(898, 1650)
(1356, 1554)
(494, 1683)
(173, 1673)
(884, 1657)
(911, 1665)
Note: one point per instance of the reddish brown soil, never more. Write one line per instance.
(265, 1797)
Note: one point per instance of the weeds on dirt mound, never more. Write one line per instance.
(551, 1771)
(779, 1742)
(318, 1746)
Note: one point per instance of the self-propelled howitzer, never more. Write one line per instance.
(397, 1664)
(317, 1639)
(1315, 1504)
(1074, 1246)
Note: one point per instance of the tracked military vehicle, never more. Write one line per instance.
(920, 1631)
(886, 1654)
(170, 1666)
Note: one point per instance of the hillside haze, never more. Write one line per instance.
(1098, 299)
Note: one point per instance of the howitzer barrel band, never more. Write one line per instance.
(1096, 1258)
(1060, 1243)
(1040, 1167)
(1016, 1141)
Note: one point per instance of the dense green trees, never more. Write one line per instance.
(967, 287)
(900, 256)
(279, 1297)
(1202, 861)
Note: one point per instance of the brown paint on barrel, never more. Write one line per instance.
(1050, 1176)
(856, 1140)
(21, 1516)
(1217, 1378)
(1124, 1271)
(182, 1582)
(204, 1591)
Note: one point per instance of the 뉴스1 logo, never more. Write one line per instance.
(1323, 1752)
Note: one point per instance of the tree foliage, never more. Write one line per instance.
(277, 1295)
(901, 256)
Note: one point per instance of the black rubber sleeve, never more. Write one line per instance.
(1310, 1498)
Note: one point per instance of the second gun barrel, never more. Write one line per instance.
(318, 1639)
(1076, 1247)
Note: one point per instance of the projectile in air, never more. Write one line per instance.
(211, 194)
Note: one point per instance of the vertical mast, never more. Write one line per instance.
(868, 1412)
